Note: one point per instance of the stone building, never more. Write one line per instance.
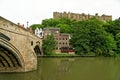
(62, 40)
(79, 17)
(51, 31)
(62, 43)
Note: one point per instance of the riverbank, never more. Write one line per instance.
(75, 55)
(67, 55)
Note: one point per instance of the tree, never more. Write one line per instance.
(34, 26)
(117, 37)
(65, 25)
(50, 22)
(89, 36)
(48, 45)
(64, 28)
(113, 26)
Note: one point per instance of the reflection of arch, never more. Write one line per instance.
(9, 56)
(37, 50)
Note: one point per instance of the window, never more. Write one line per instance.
(59, 42)
(56, 48)
(31, 43)
(41, 33)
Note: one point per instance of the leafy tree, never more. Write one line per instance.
(48, 45)
(117, 37)
(110, 45)
(64, 28)
(50, 22)
(113, 26)
(89, 36)
(65, 25)
(34, 26)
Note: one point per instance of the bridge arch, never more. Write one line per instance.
(10, 58)
(37, 49)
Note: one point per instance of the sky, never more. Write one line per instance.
(34, 11)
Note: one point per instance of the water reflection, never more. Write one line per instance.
(70, 69)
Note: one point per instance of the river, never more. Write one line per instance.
(82, 68)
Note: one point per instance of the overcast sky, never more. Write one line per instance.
(35, 11)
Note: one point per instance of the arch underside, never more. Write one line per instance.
(37, 50)
(9, 58)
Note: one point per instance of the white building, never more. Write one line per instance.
(39, 32)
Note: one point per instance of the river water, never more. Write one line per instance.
(71, 69)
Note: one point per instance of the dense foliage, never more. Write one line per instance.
(65, 25)
(34, 26)
(89, 36)
(48, 45)
(113, 26)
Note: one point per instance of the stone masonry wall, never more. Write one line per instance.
(79, 17)
(24, 41)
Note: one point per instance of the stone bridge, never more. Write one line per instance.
(18, 48)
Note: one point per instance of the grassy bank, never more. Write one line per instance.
(67, 55)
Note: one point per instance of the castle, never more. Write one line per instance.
(80, 17)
